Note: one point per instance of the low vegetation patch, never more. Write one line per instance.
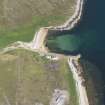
(27, 78)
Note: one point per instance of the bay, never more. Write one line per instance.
(88, 37)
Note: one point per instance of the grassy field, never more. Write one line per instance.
(19, 19)
(26, 78)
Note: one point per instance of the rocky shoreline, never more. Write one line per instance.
(72, 21)
(79, 79)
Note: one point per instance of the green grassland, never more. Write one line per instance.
(20, 19)
(26, 78)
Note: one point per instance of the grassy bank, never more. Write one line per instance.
(26, 78)
(19, 20)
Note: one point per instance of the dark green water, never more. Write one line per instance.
(88, 38)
